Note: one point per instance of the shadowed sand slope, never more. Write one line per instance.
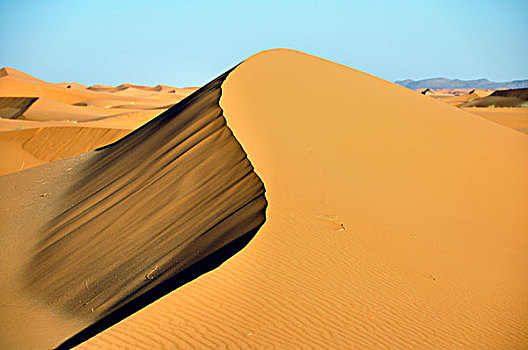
(394, 221)
(92, 238)
(519, 93)
(14, 107)
(496, 101)
(502, 98)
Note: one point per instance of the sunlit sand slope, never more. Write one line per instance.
(515, 118)
(92, 238)
(23, 149)
(394, 221)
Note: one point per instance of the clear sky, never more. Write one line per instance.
(188, 43)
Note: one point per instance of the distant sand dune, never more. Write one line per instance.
(7, 71)
(515, 118)
(14, 83)
(496, 101)
(129, 104)
(505, 107)
(14, 107)
(502, 98)
(37, 146)
(518, 93)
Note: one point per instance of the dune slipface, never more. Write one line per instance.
(14, 107)
(92, 238)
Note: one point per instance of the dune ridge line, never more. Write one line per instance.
(122, 221)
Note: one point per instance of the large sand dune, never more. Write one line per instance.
(433, 201)
(90, 239)
(394, 221)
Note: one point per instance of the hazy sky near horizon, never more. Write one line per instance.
(188, 43)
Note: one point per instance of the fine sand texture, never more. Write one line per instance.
(88, 240)
(394, 221)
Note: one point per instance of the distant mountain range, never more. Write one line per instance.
(444, 83)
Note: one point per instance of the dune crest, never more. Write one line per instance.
(394, 221)
(118, 227)
(5, 71)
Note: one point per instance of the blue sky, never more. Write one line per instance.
(188, 43)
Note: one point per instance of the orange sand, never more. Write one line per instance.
(433, 200)
(23, 149)
(70, 118)
(515, 118)
(480, 103)
(394, 221)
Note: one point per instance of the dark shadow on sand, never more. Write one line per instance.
(205, 265)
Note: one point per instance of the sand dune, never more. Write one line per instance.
(69, 118)
(456, 97)
(432, 199)
(14, 107)
(119, 227)
(70, 101)
(126, 103)
(71, 85)
(460, 99)
(501, 98)
(20, 84)
(462, 92)
(12, 72)
(515, 118)
(518, 93)
(394, 221)
(24, 149)
(496, 101)
(45, 109)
